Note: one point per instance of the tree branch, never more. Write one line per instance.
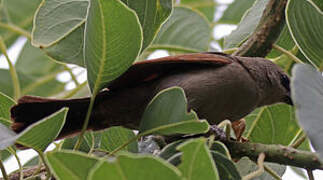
(268, 30)
(275, 153)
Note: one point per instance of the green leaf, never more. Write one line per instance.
(110, 47)
(170, 150)
(274, 125)
(4, 155)
(186, 30)
(219, 147)
(307, 84)
(206, 7)
(17, 12)
(70, 165)
(235, 11)
(167, 114)
(56, 19)
(131, 167)
(5, 105)
(45, 85)
(305, 23)
(226, 168)
(59, 28)
(86, 145)
(114, 137)
(197, 160)
(49, 128)
(32, 162)
(34, 62)
(247, 25)
(152, 14)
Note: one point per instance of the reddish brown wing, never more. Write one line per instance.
(149, 70)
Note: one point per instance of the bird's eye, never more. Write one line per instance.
(285, 81)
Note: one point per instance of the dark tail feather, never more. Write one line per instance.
(31, 109)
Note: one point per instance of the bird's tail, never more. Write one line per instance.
(31, 109)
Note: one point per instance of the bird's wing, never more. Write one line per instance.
(153, 69)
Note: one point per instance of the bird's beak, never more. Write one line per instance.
(288, 100)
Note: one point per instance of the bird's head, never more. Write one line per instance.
(273, 83)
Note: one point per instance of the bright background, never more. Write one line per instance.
(219, 32)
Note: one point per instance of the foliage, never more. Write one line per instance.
(105, 37)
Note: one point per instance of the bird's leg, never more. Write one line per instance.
(238, 128)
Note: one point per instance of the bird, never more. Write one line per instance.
(217, 86)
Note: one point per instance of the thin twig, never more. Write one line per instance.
(16, 29)
(12, 70)
(260, 170)
(3, 171)
(287, 53)
(310, 174)
(41, 155)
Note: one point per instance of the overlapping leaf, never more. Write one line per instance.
(307, 84)
(246, 26)
(5, 105)
(110, 48)
(152, 14)
(206, 7)
(48, 127)
(305, 23)
(186, 30)
(196, 161)
(167, 114)
(235, 11)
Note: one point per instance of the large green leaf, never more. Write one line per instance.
(152, 14)
(206, 7)
(34, 62)
(19, 13)
(185, 30)
(113, 40)
(91, 141)
(70, 165)
(59, 29)
(167, 114)
(226, 168)
(305, 23)
(37, 136)
(307, 84)
(274, 125)
(235, 11)
(285, 41)
(131, 167)
(196, 160)
(5, 104)
(114, 137)
(247, 25)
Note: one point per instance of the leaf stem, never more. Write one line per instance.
(287, 53)
(299, 141)
(72, 75)
(41, 81)
(272, 173)
(41, 155)
(3, 171)
(12, 70)
(86, 121)
(16, 29)
(310, 174)
(13, 151)
(74, 91)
